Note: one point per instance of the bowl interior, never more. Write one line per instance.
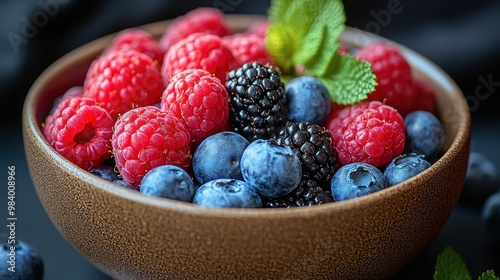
(71, 69)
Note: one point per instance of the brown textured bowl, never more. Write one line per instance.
(131, 236)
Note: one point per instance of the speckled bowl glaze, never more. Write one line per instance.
(131, 236)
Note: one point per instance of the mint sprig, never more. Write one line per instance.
(305, 35)
(450, 265)
(348, 79)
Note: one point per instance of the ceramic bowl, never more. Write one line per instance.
(128, 235)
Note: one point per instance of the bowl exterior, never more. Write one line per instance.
(130, 236)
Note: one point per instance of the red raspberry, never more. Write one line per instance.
(204, 20)
(122, 80)
(200, 99)
(80, 131)
(425, 96)
(259, 28)
(369, 132)
(202, 51)
(146, 137)
(139, 40)
(393, 74)
(248, 48)
(76, 91)
(343, 49)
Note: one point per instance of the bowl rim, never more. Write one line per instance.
(424, 65)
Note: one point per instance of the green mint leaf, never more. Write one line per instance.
(301, 16)
(488, 275)
(304, 35)
(279, 10)
(310, 47)
(282, 42)
(450, 265)
(312, 25)
(329, 23)
(348, 79)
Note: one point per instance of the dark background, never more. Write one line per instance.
(461, 37)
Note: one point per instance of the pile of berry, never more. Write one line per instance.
(202, 115)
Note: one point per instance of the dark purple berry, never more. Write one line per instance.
(308, 193)
(312, 143)
(257, 100)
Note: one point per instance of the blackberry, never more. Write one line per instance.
(312, 143)
(257, 101)
(308, 193)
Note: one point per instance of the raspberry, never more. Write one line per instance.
(343, 49)
(122, 80)
(146, 137)
(425, 96)
(369, 132)
(200, 20)
(80, 131)
(394, 76)
(76, 91)
(259, 28)
(139, 40)
(202, 51)
(200, 100)
(248, 48)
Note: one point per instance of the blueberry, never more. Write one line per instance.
(308, 100)
(481, 179)
(490, 215)
(227, 193)
(424, 135)
(272, 169)
(20, 261)
(105, 172)
(404, 167)
(357, 179)
(218, 157)
(124, 184)
(168, 181)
